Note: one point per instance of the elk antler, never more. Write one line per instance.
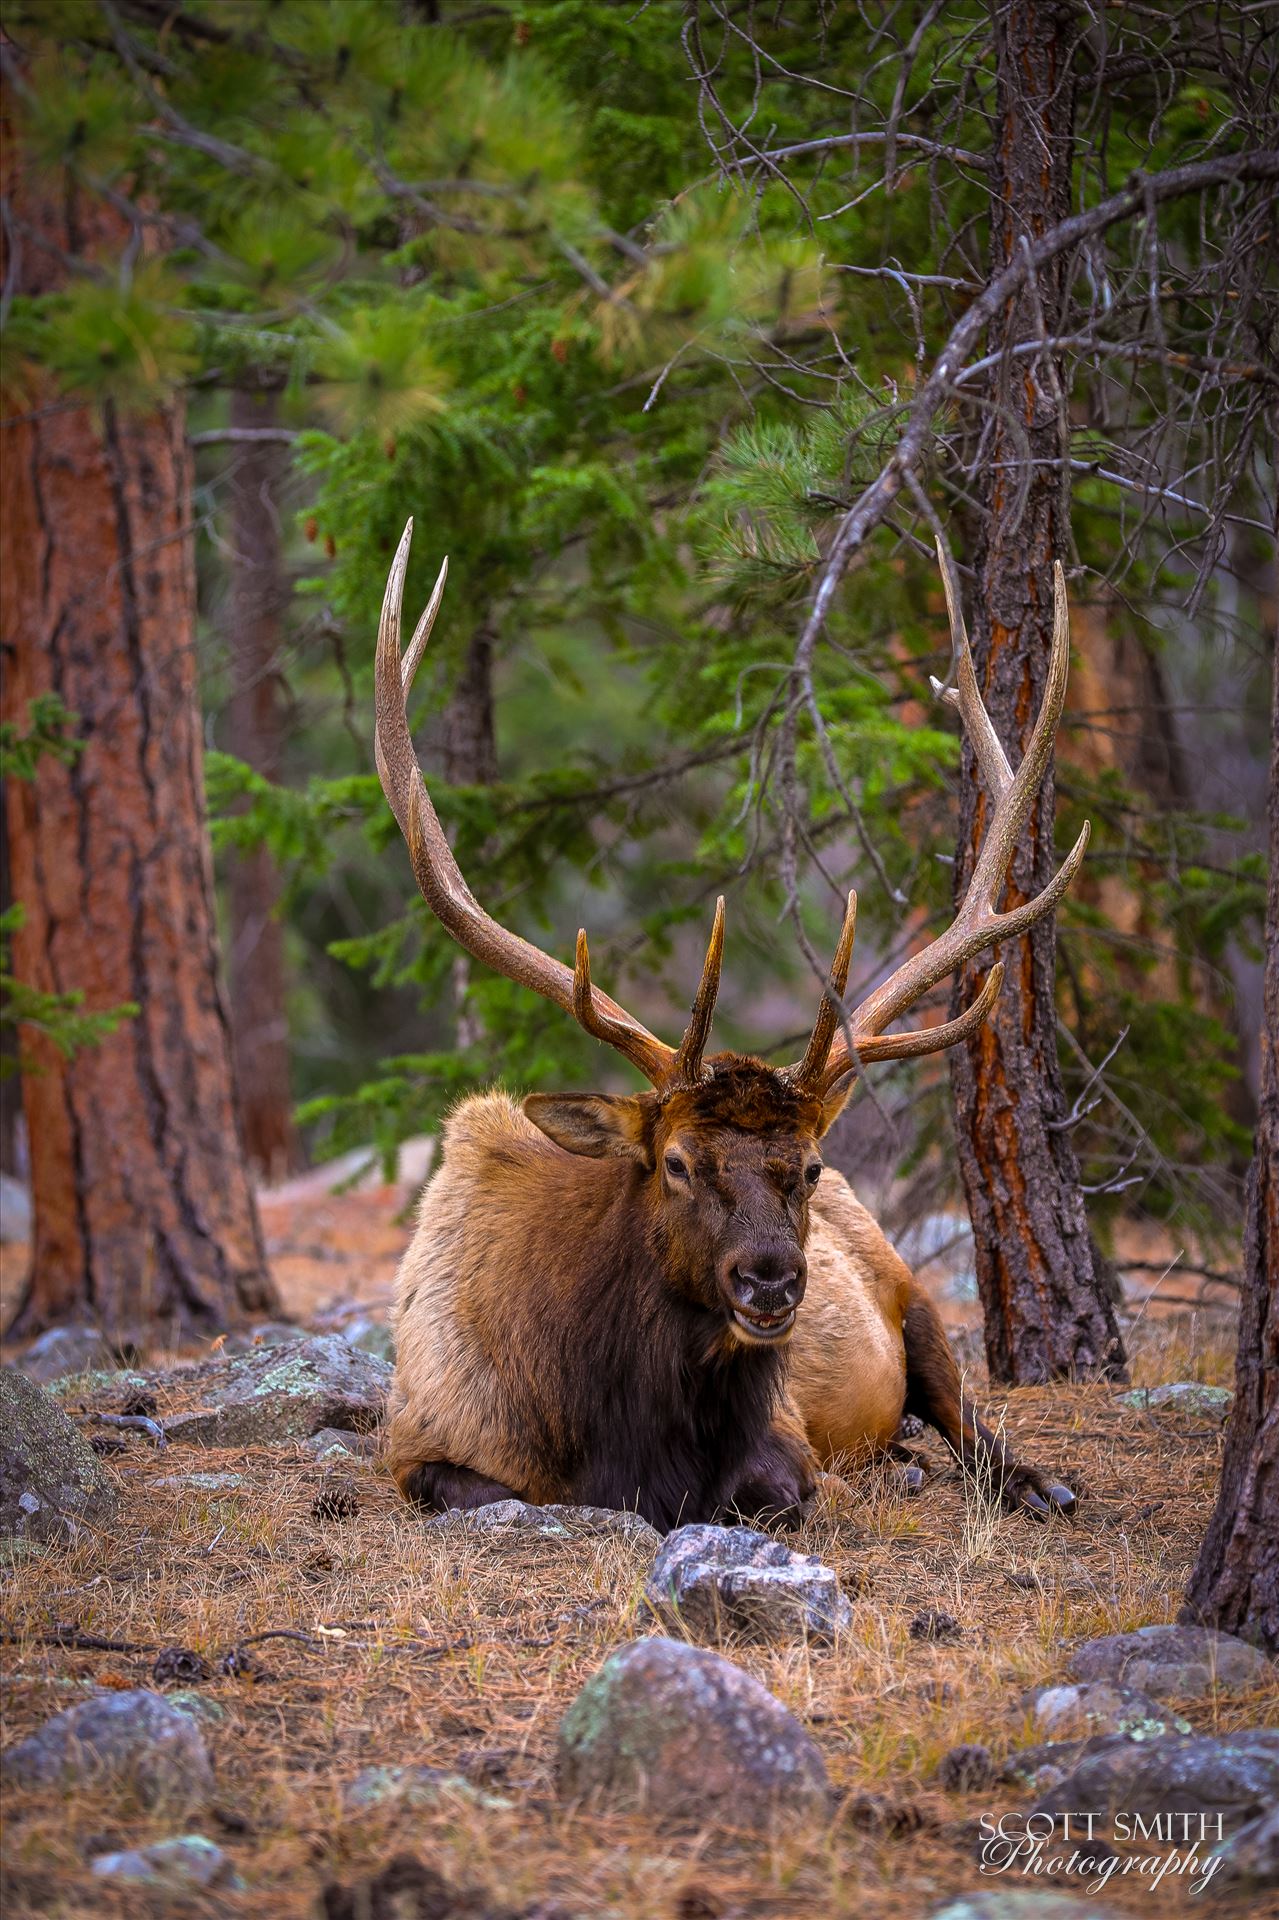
(978, 924)
(455, 906)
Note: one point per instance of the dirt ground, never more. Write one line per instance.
(418, 1645)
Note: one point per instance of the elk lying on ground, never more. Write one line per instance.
(660, 1301)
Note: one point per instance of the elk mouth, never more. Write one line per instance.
(764, 1328)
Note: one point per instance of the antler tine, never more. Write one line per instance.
(812, 1067)
(590, 1012)
(434, 867)
(978, 925)
(688, 1061)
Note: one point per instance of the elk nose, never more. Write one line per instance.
(771, 1283)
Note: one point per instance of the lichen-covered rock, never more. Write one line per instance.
(1181, 1662)
(372, 1336)
(289, 1392)
(1250, 1857)
(135, 1740)
(1018, 1903)
(710, 1579)
(201, 1482)
(64, 1351)
(1181, 1396)
(1041, 1767)
(331, 1444)
(685, 1735)
(51, 1481)
(208, 1714)
(189, 1860)
(552, 1522)
(1236, 1775)
(1092, 1707)
(412, 1786)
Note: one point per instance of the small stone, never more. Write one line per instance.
(1236, 1775)
(965, 1769)
(933, 1624)
(1015, 1903)
(134, 1739)
(684, 1734)
(710, 1579)
(186, 1861)
(1250, 1857)
(208, 1714)
(289, 1392)
(412, 1787)
(330, 1443)
(1172, 1661)
(1181, 1396)
(51, 1481)
(64, 1352)
(200, 1482)
(555, 1522)
(1079, 1712)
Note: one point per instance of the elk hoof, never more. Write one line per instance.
(1054, 1499)
(910, 1480)
(1061, 1498)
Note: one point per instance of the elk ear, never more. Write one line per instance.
(595, 1124)
(833, 1105)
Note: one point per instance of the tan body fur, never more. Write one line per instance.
(473, 1313)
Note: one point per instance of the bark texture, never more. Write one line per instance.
(1235, 1584)
(1047, 1310)
(256, 725)
(144, 1215)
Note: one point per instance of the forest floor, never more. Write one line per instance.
(428, 1645)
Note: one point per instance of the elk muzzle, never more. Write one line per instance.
(763, 1287)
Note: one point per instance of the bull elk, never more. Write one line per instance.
(660, 1300)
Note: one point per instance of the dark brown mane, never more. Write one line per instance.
(745, 1093)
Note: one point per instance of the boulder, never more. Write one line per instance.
(1091, 1707)
(1236, 1775)
(685, 1735)
(289, 1392)
(711, 1579)
(64, 1351)
(185, 1862)
(51, 1481)
(1250, 1857)
(552, 1522)
(1172, 1662)
(1181, 1396)
(134, 1740)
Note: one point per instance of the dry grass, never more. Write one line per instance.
(439, 1648)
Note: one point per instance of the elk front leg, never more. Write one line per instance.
(934, 1393)
(778, 1478)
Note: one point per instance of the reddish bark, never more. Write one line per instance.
(255, 734)
(144, 1215)
(1047, 1313)
(1235, 1584)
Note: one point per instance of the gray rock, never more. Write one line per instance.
(51, 1481)
(201, 1482)
(1250, 1857)
(553, 1522)
(686, 1735)
(332, 1444)
(290, 1392)
(708, 1579)
(1016, 1903)
(208, 1714)
(65, 1351)
(1187, 1662)
(1181, 1396)
(117, 1382)
(268, 1333)
(1092, 1707)
(1236, 1775)
(136, 1740)
(412, 1787)
(189, 1860)
(372, 1336)
(1041, 1767)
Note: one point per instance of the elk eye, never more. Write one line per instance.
(812, 1172)
(676, 1168)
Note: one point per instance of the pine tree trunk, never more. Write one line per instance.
(1235, 1584)
(145, 1220)
(1047, 1312)
(255, 734)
